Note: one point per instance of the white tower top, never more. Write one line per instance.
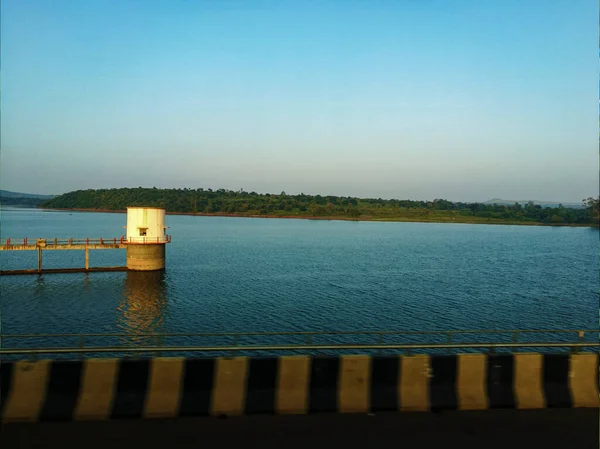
(146, 225)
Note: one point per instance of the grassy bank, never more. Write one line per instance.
(423, 218)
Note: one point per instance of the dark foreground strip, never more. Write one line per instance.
(131, 389)
(385, 373)
(323, 389)
(261, 386)
(62, 391)
(442, 387)
(6, 374)
(500, 381)
(197, 387)
(556, 380)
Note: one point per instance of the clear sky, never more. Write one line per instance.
(459, 99)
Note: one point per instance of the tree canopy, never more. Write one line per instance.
(240, 202)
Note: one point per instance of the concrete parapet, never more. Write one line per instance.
(96, 389)
(146, 257)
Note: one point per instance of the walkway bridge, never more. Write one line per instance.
(73, 244)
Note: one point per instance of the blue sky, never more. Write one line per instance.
(459, 99)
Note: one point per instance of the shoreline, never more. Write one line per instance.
(339, 218)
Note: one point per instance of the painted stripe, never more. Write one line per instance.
(385, 372)
(163, 387)
(164, 392)
(229, 386)
(529, 390)
(97, 389)
(354, 384)
(442, 385)
(415, 373)
(556, 380)
(471, 382)
(292, 385)
(62, 391)
(262, 382)
(583, 380)
(132, 385)
(323, 384)
(28, 391)
(6, 370)
(500, 381)
(197, 387)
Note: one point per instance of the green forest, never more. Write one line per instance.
(23, 202)
(242, 203)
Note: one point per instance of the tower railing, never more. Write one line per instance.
(147, 239)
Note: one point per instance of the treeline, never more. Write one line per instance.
(251, 203)
(21, 201)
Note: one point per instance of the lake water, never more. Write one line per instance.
(239, 274)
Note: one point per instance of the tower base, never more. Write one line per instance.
(146, 257)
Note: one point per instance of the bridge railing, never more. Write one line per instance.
(263, 343)
(8, 243)
(62, 242)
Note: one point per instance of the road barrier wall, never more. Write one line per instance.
(99, 389)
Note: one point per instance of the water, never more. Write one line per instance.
(244, 275)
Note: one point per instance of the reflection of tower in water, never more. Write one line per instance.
(142, 309)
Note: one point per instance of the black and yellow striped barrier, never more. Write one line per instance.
(170, 387)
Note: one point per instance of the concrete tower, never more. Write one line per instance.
(146, 238)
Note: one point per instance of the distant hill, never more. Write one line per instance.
(8, 198)
(9, 194)
(502, 202)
